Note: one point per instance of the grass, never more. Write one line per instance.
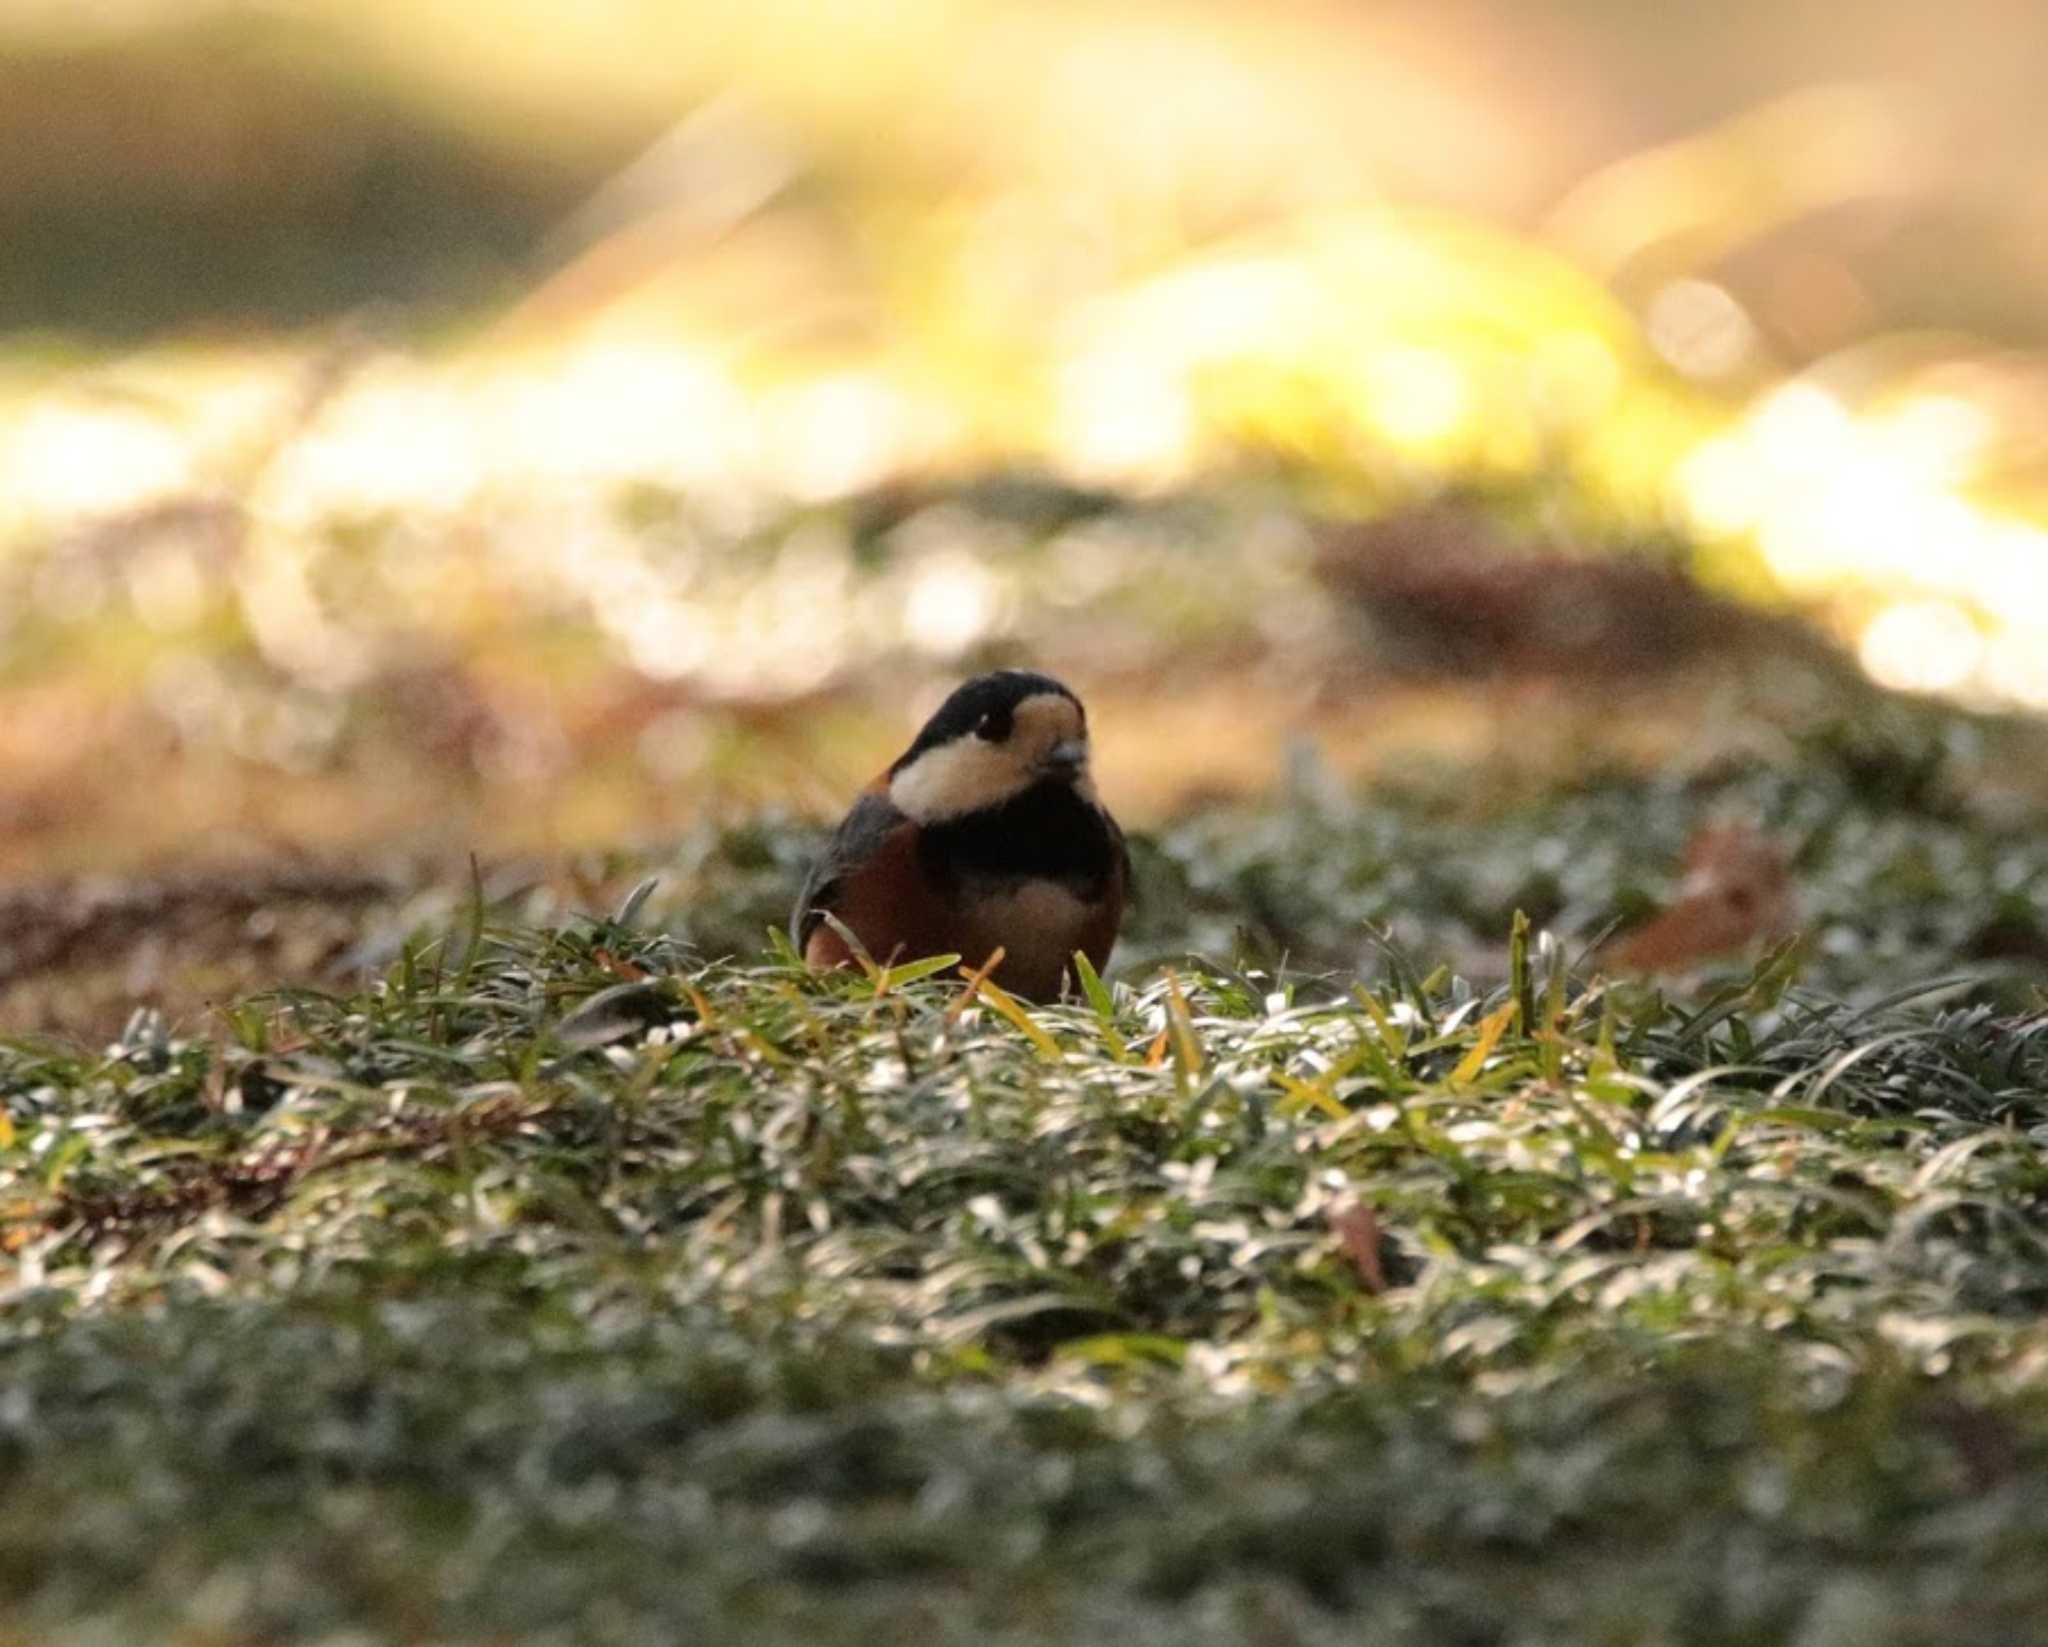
(564, 1283)
(1358, 1264)
(1910, 859)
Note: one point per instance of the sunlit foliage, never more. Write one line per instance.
(560, 1276)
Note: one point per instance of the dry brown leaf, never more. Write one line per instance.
(1357, 1228)
(1737, 892)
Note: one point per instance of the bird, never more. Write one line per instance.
(985, 834)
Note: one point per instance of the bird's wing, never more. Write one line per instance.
(860, 834)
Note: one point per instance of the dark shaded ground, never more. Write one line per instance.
(245, 172)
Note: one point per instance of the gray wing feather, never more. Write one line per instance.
(859, 834)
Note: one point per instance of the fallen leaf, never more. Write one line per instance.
(1736, 892)
(1357, 1228)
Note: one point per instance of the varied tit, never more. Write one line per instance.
(985, 834)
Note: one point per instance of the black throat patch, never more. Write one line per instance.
(1048, 833)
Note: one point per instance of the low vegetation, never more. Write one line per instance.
(566, 1282)
(1417, 1239)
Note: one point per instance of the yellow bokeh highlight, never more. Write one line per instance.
(1100, 312)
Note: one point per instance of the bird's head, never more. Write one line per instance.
(994, 738)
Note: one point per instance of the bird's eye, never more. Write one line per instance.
(995, 726)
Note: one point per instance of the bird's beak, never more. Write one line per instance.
(1066, 757)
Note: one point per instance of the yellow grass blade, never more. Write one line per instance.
(1491, 1028)
(1014, 1010)
(972, 987)
(1187, 1046)
(1310, 1095)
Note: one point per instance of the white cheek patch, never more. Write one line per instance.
(955, 779)
(971, 773)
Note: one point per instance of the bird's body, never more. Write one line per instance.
(985, 834)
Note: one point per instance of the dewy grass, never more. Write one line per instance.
(562, 1285)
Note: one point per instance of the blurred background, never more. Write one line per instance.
(533, 426)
